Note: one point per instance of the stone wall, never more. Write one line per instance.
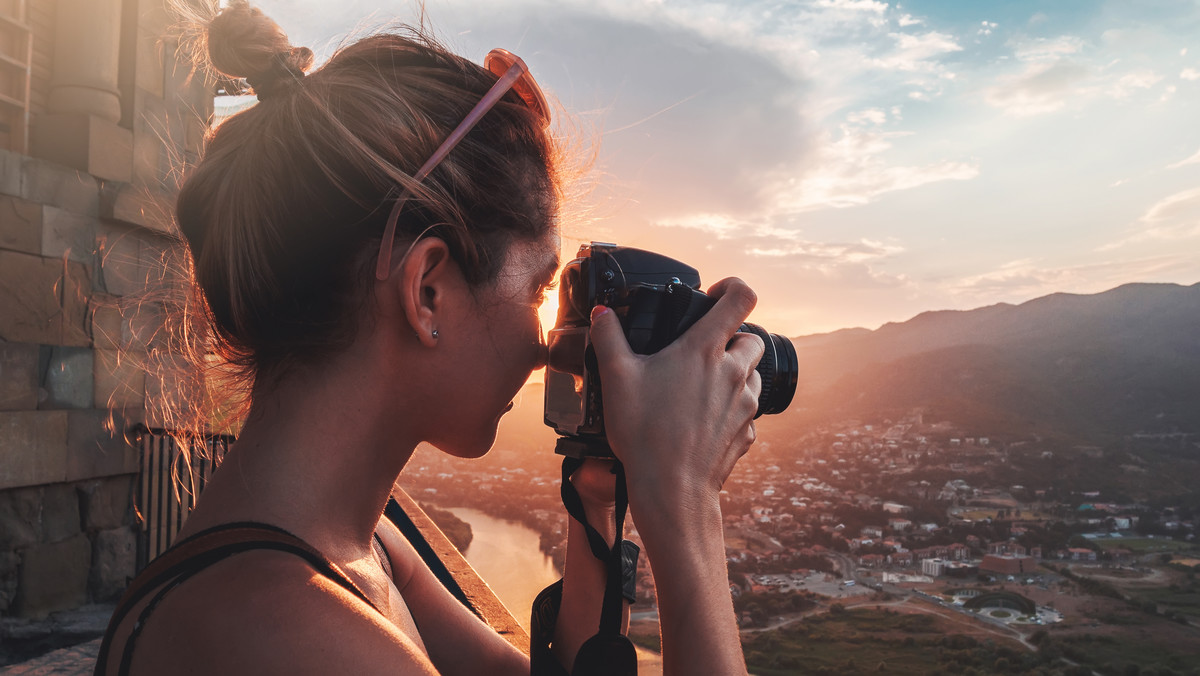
(83, 239)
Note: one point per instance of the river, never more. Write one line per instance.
(507, 556)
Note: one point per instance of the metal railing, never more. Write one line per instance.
(169, 483)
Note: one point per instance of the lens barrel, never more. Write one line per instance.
(779, 370)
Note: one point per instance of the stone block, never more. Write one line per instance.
(150, 62)
(43, 301)
(148, 158)
(120, 379)
(114, 557)
(111, 329)
(20, 517)
(144, 207)
(33, 445)
(97, 447)
(60, 513)
(67, 377)
(10, 575)
(97, 146)
(58, 186)
(54, 577)
(107, 503)
(10, 172)
(18, 376)
(20, 225)
(119, 249)
(67, 234)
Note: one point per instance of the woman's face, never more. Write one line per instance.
(496, 342)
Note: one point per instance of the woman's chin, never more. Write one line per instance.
(469, 448)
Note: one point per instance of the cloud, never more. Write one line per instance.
(1194, 159)
(852, 172)
(1189, 74)
(1029, 278)
(1181, 205)
(1128, 83)
(1174, 217)
(917, 53)
(1041, 88)
(1040, 50)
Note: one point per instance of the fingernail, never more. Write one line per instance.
(599, 311)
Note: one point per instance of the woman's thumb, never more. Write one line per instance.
(607, 337)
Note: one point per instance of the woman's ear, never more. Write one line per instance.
(424, 283)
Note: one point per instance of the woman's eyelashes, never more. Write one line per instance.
(543, 293)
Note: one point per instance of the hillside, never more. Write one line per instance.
(1091, 367)
(1088, 368)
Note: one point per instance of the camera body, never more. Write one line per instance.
(656, 299)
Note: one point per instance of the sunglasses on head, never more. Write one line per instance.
(514, 75)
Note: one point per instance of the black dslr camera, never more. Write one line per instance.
(657, 299)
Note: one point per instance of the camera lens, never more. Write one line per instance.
(779, 370)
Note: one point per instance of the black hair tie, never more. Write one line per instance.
(272, 81)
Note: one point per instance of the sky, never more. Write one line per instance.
(856, 161)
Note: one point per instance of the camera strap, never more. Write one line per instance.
(609, 651)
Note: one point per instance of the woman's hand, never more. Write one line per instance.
(680, 419)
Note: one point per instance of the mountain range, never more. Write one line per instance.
(1086, 368)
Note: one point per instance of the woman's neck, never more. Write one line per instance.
(318, 456)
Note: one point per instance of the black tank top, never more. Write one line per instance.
(192, 555)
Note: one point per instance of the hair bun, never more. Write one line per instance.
(245, 43)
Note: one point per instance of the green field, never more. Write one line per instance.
(1146, 545)
(866, 640)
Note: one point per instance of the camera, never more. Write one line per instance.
(656, 299)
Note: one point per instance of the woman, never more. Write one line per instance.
(375, 270)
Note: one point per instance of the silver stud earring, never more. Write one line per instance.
(435, 334)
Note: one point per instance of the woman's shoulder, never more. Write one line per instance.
(265, 612)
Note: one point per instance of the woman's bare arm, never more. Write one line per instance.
(679, 420)
(458, 642)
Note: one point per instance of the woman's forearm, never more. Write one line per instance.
(695, 609)
(583, 586)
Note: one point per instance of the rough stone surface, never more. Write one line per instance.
(97, 146)
(120, 379)
(10, 172)
(144, 207)
(96, 445)
(119, 250)
(68, 234)
(10, 569)
(76, 660)
(54, 576)
(33, 445)
(57, 186)
(20, 517)
(39, 305)
(60, 513)
(114, 558)
(20, 225)
(18, 376)
(67, 377)
(107, 502)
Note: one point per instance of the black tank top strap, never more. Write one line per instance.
(196, 553)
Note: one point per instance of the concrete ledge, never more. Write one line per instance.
(482, 599)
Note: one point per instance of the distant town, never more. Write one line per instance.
(996, 541)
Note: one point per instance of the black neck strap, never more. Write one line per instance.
(609, 651)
